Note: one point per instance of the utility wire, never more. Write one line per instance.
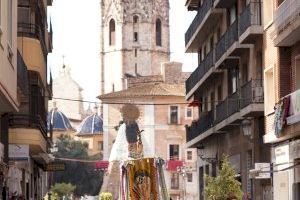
(132, 102)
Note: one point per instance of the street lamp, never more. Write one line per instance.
(246, 127)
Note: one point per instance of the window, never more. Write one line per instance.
(135, 19)
(232, 14)
(135, 52)
(174, 152)
(207, 169)
(199, 56)
(270, 92)
(174, 115)
(211, 43)
(175, 181)
(135, 68)
(233, 80)
(100, 146)
(189, 112)
(112, 32)
(189, 177)
(189, 155)
(219, 93)
(212, 101)
(158, 32)
(135, 37)
(9, 22)
(214, 169)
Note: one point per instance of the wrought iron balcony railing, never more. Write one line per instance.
(33, 31)
(227, 40)
(227, 107)
(207, 4)
(198, 127)
(28, 121)
(287, 11)
(250, 16)
(252, 92)
(201, 70)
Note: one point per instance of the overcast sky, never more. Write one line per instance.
(76, 27)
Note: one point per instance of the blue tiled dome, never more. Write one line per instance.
(59, 121)
(93, 124)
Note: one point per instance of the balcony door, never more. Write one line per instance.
(233, 77)
(297, 78)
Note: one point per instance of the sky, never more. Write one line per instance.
(76, 29)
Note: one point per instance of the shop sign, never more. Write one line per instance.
(264, 169)
(294, 112)
(54, 167)
(18, 152)
(282, 156)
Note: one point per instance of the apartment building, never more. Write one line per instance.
(27, 135)
(163, 113)
(282, 94)
(227, 87)
(8, 78)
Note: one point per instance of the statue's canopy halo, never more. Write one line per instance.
(130, 112)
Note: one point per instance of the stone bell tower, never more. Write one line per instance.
(135, 40)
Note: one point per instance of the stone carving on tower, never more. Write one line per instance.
(135, 40)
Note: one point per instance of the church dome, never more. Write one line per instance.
(58, 120)
(92, 124)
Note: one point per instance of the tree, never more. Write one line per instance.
(224, 186)
(63, 190)
(106, 196)
(82, 175)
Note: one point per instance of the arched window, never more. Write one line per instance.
(112, 32)
(135, 19)
(158, 32)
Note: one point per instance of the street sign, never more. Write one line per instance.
(263, 170)
(54, 167)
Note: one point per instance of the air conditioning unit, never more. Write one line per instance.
(258, 94)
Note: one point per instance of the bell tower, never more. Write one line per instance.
(135, 40)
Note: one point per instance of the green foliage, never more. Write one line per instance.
(224, 186)
(63, 189)
(83, 175)
(105, 196)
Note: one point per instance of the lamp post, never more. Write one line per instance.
(183, 170)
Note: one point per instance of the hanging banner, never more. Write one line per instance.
(294, 112)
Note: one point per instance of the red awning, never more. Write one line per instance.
(173, 164)
(102, 165)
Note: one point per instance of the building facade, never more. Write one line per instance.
(134, 40)
(282, 92)
(8, 80)
(27, 135)
(227, 87)
(163, 113)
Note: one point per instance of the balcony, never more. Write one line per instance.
(198, 127)
(198, 76)
(250, 23)
(227, 108)
(28, 129)
(196, 34)
(33, 31)
(22, 75)
(252, 99)
(224, 3)
(228, 45)
(287, 23)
